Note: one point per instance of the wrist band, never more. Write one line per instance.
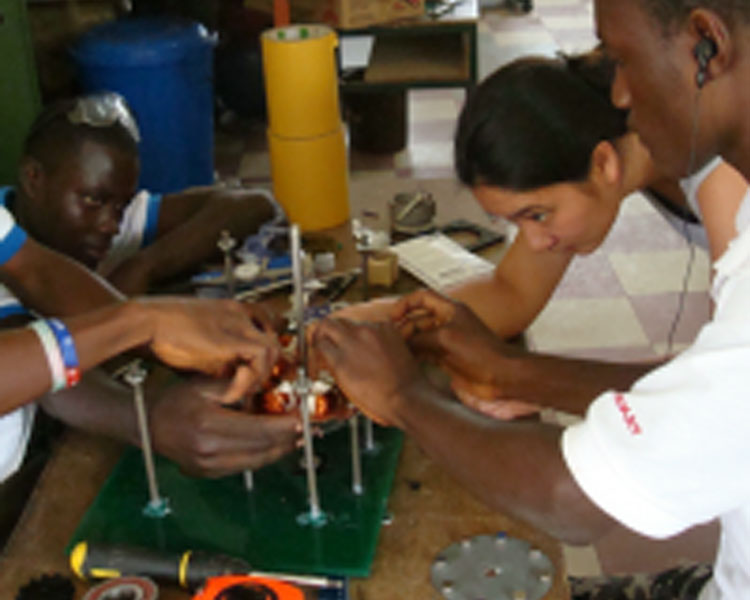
(52, 352)
(68, 351)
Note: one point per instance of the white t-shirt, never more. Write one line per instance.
(137, 229)
(12, 236)
(674, 451)
(15, 427)
(695, 232)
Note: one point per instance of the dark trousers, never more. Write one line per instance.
(681, 583)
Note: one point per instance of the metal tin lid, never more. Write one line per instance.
(141, 42)
(137, 588)
(498, 567)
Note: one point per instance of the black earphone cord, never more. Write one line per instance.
(686, 225)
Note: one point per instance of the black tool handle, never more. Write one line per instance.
(189, 569)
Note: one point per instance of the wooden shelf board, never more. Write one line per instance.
(411, 59)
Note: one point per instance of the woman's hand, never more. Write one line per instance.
(451, 335)
(488, 400)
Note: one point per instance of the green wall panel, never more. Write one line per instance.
(19, 87)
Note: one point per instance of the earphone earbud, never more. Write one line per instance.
(704, 51)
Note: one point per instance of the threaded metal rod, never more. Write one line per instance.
(135, 376)
(356, 457)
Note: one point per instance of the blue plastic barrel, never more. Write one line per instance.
(164, 69)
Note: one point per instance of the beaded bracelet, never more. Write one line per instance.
(52, 352)
(68, 351)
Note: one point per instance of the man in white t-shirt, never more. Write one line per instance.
(202, 335)
(15, 427)
(202, 436)
(76, 195)
(658, 454)
(38, 273)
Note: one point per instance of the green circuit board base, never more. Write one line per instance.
(265, 526)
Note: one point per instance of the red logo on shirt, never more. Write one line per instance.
(627, 414)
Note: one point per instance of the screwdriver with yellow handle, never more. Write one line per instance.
(190, 569)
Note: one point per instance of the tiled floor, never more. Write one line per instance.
(619, 303)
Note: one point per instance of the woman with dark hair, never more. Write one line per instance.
(540, 144)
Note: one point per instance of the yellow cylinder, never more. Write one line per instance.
(301, 79)
(310, 179)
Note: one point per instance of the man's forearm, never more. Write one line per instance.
(98, 335)
(54, 284)
(565, 384)
(100, 404)
(193, 242)
(97, 405)
(107, 332)
(515, 468)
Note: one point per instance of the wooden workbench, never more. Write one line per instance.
(429, 510)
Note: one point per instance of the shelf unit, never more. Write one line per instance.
(422, 52)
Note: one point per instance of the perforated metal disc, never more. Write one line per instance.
(488, 567)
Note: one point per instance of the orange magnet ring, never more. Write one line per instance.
(229, 587)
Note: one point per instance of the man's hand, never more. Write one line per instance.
(371, 365)
(215, 337)
(192, 428)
